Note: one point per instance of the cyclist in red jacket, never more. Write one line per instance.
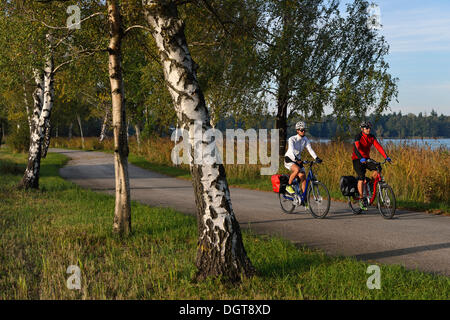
(361, 152)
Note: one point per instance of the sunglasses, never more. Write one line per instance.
(366, 127)
(301, 130)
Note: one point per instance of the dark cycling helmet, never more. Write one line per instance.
(365, 124)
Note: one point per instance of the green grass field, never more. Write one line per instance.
(43, 232)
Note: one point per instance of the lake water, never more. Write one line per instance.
(433, 143)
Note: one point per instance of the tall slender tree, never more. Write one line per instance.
(220, 248)
(122, 213)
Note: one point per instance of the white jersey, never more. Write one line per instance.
(296, 144)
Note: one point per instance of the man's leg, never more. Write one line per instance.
(360, 170)
(360, 174)
(360, 187)
(374, 175)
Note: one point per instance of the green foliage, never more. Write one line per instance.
(314, 56)
(19, 137)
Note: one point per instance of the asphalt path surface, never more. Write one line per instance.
(416, 240)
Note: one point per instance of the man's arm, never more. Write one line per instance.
(356, 147)
(379, 148)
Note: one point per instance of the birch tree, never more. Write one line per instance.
(220, 249)
(122, 212)
(51, 40)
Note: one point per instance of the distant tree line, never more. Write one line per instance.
(395, 125)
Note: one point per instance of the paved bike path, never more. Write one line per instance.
(412, 239)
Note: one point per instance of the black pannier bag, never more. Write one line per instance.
(349, 186)
(284, 181)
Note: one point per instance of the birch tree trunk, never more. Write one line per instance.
(25, 100)
(138, 135)
(104, 124)
(81, 131)
(47, 137)
(128, 130)
(122, 213)
(220, 249)
(43, 104)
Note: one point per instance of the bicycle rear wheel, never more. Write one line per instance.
(318, 199)
(286, 204)
(386, 201)
(354, 205)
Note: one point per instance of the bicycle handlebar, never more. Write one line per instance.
(310, 162)
(375, 162)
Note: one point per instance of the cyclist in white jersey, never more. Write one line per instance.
(292, 157)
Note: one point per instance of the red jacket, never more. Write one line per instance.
(363, 143)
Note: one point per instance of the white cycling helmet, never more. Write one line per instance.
(300, 125)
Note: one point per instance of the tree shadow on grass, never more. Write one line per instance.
(10, 167)
(293, 265)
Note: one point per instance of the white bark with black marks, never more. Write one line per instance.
(43, 104)
(105, 124)
(122, 212)
(31, 176)
(220, 249)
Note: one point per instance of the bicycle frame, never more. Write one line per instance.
(309, 177)
(377, 179)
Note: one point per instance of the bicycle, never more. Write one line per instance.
(316, 196)
(386, 201)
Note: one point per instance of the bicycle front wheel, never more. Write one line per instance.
(287, 205)
(318, 199)
(386, 201)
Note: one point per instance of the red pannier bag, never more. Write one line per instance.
(276, 182)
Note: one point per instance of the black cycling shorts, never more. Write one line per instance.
(360, 168)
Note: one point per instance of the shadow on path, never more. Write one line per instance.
(401, 252)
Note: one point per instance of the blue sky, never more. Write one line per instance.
(418, 33)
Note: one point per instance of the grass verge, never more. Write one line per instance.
(45, 231)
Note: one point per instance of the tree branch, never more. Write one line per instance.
(136, 27)
(66, 27)
(88, 53)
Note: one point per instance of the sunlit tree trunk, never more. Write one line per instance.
(122, 213)
(220, 248)
(138, 134)
(104, 124)
(27, 109)
(43, 102)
